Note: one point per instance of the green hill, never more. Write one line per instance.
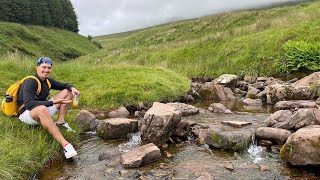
(41, 41)
(240, 42)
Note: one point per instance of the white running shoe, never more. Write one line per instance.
(66, 125)
(69, 151)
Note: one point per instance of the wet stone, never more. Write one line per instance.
(264, 168)
(140, 155)
(168, 154)
(205, 176)
(229, 167)
(251, 166)
(266, 143)
(236, 124)
(104, 156)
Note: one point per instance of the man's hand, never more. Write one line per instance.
(61, 101)
(75, 91)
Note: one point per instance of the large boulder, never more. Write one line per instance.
(116, 128)
(158, 123)
(228, 138)
(302, 147)
(227, 80)
(293, 104)
(283, 92)
(211, 91)
(313, 78)
(276, 135)
(279, 119)
(304, 117)
(140, 156)
(86, 120)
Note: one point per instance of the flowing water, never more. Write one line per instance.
(99, 159)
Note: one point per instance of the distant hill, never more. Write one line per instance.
(244, 42)
(38, 41)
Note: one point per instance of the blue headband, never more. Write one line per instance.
(44, 60)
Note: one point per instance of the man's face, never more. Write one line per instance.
(43, 70)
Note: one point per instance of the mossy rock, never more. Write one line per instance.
(302, 147)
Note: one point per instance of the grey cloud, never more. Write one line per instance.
(100, 17)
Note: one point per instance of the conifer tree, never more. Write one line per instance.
(5, 10)
(56, 13)
(40, 13)
(70, 19)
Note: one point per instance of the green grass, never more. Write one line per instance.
(103, 87)
(38, 41)
(25, 149)
(240, 42)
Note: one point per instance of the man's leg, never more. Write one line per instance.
(64, 94)
(41, 115)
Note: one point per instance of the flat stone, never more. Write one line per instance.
(140, 156)
(236, 124)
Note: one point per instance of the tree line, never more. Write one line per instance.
(54, 13)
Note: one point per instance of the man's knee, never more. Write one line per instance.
(64, 94)
(39, 111)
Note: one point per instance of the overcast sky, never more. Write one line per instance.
(101, 17)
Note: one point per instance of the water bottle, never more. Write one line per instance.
(75, 100)
(9, 98)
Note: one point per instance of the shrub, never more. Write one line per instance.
(299, 56)
(97, 44)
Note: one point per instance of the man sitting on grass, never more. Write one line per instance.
(36, 109)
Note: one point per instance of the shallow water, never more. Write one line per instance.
(189, 162)
(236, 106)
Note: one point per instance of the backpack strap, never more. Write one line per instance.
(38, 81)
(39, 86)
(49, 83)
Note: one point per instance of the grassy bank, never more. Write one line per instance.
(25, 149)
(240, 42)
(38, 41)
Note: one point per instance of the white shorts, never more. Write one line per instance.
(26, 118)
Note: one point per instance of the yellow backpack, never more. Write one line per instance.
(10, 103)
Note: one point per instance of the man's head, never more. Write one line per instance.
(43, 68)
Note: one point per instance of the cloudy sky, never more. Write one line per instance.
(101, 17)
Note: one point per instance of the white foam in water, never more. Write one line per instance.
(133, 142)
(255, 153)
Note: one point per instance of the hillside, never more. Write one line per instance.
(38, 41)
(246, 42)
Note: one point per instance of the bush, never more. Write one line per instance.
(97, 44)
(299, 56)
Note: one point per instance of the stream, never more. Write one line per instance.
(189, 160)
